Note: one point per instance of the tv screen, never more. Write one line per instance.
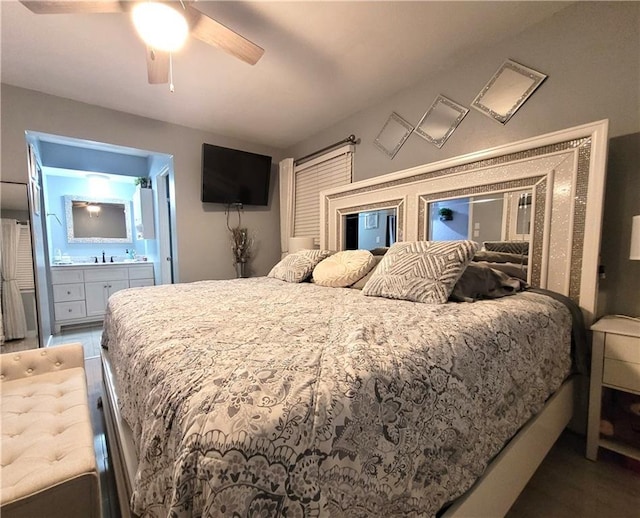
(234, 176)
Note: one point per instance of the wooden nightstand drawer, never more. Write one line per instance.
(623, 348)
(615, 363)
(621, 374)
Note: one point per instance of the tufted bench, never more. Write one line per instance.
(48, 462)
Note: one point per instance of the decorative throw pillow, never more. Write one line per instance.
(359, 284)
(343, 268)
(509, 247)
(512, 270)
(298, 266)
(420, 271)
(479, 281)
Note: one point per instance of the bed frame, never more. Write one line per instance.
(566, 171)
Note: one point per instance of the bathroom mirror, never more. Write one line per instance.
(507, 90)
(367, 230)
(97, 220)
(19, 316)
(440, 121)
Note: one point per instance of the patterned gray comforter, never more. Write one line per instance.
(257, 397)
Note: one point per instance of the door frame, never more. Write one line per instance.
(166, 271)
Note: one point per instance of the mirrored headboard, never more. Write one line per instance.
(558, 178)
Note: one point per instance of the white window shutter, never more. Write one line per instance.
(310, 179)
(24, 273)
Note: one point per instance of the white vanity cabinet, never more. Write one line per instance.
(100, 284)
(80, 293)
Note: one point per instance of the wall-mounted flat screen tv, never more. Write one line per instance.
(232, 176)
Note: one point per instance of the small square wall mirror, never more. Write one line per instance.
(507, 90)
(440, 121)
(393, 134)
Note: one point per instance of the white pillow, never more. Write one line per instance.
(420, 271)
(343, 268)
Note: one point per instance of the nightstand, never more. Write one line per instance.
(615, 363)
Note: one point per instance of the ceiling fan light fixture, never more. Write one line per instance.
(160, 26)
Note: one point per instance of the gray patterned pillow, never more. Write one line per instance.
(420, 271)
(298, 266)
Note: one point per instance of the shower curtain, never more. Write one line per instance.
(13, 317)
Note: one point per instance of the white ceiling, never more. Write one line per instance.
(323, 61)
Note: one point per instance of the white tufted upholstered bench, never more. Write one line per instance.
(48, 461)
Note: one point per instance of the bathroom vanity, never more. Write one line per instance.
(80, 292)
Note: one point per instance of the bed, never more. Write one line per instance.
(258, 396)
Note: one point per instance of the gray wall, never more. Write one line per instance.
(620, 289)
(203, 240)
(591, 53)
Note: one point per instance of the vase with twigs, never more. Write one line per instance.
(241, 244)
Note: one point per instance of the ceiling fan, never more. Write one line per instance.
(151, 14)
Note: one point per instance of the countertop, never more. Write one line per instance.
(85, 265)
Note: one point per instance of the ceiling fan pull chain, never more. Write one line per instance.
(171, 88)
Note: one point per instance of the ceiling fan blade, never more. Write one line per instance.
(54, 7)
(157, 66)
(214, 33)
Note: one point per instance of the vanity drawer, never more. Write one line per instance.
(70, 310)
(59, 276)
(139, 283)
(68, 292)
(105, 274)
(622, 347)
(141, 272)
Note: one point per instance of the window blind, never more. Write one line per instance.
(310, 180)
(24, 273)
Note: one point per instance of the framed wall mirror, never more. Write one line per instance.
(19, 316)
(393, 135)
(440, 121)
(507, 90)
(97, 220)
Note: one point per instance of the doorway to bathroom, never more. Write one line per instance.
(104, 212)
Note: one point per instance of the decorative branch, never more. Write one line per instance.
(241, 244)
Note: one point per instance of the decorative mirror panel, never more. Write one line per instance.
(367, 230)
(393, 134)
(440, 121)
(507, 90)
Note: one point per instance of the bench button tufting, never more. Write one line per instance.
(29, 371)
(58, 364)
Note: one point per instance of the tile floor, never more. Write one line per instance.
(89, 337)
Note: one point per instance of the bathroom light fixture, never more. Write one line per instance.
(160, 26)
(634, 252)
(93, 209)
